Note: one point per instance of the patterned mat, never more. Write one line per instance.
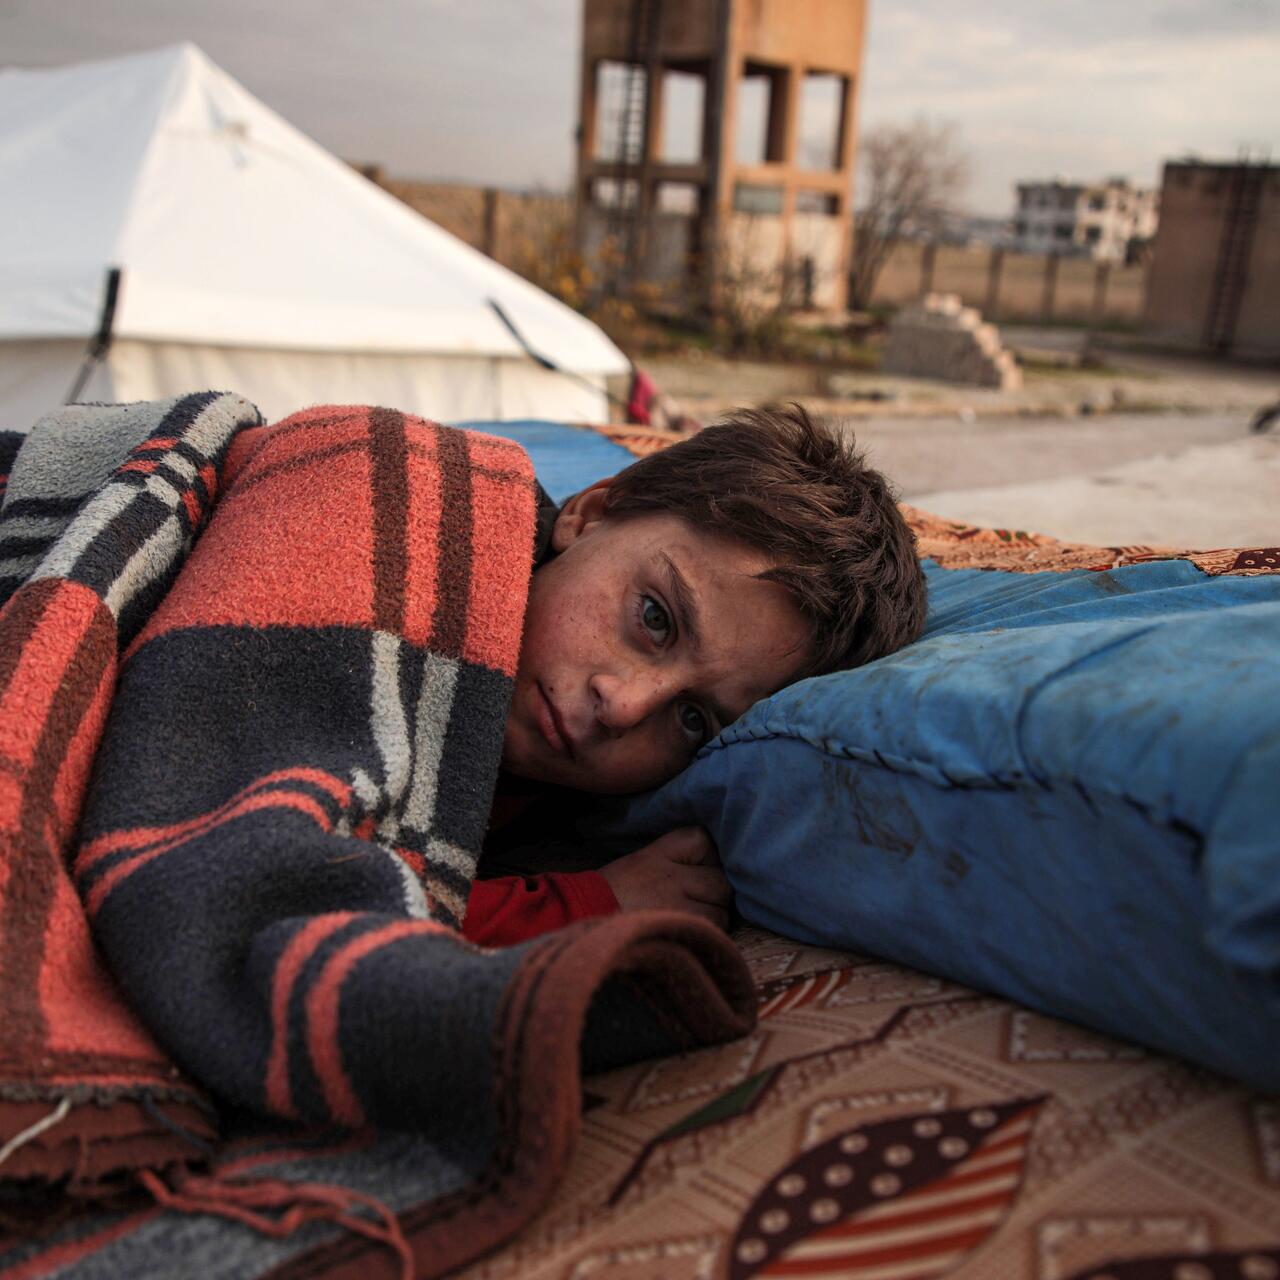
(965, 546)
(882, 1124)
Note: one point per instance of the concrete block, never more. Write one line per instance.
(937, 337)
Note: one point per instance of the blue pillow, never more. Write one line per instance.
(1068, 792)
(566, 458)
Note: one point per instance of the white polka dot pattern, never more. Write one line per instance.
(935, 1185)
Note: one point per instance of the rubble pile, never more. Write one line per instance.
(938, 337)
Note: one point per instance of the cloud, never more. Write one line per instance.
(1256, 16)
(1088, 97)
(487, 92)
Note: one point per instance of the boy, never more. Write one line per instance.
(260, 685)
(672, 597)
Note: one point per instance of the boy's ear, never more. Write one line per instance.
(580, 514)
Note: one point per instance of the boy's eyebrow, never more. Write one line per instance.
(686, 600)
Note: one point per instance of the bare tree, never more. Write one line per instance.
(912, 176)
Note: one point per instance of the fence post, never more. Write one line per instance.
(994, 268)
(489, 243)
(808, 281)
(928, 261)
(1101, 278)
(1050, 286)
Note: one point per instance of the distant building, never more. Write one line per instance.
(1101, 219)
(1215, 267)
(969, 230)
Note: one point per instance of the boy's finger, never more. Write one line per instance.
(718, 917)
(706, 884)
(690, 846)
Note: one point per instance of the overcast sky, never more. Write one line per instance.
(486, 91)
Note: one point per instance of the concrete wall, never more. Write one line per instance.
(688, 30)
(1185, 255)
(520, 222)
(524, 225)
(780, 31)
(753, 261)
(667, 263)
(818, 237)
(966, 271)
(1258, 325)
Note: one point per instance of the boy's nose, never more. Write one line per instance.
(623, 701)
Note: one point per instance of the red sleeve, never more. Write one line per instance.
(517, 908)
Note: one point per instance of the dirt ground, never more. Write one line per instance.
(1148, 449)
(707, 385)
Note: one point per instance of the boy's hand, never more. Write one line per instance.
(679, 872)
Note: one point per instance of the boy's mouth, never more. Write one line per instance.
(552, 726)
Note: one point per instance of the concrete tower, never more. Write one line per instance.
(762, 190)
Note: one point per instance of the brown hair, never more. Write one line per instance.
(797, 489)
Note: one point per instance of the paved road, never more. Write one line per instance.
(1197, 481)
(927, 454)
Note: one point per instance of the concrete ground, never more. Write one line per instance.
(1149, 449)
(1196, 482)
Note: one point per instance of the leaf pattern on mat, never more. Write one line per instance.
(729, 1105)
(909, 1197)
(754, 1093)
(1248, 1264)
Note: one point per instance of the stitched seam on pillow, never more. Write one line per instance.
(932, 774)
(895, 764)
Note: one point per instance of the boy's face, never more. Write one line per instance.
(643, 639)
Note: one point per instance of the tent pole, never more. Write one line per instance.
(547, 363)
(100, 343)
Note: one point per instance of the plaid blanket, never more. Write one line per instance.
(253, 687)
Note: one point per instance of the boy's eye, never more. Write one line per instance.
(693, 723)
(655, 619)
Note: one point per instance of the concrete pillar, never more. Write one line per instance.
(995, 268)
(1101, 278)
(586, 146)
(928, 265)
(780, 141)
(1050, 285)
(848, 133)
(844, 199)
(718, 147)
(655, 88)
(650, 157)
(791, 82)
(489, 240)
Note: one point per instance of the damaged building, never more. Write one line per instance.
(716, 147)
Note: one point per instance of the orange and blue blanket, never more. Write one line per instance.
(253, 686)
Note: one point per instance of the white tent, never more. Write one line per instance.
(251, 260)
